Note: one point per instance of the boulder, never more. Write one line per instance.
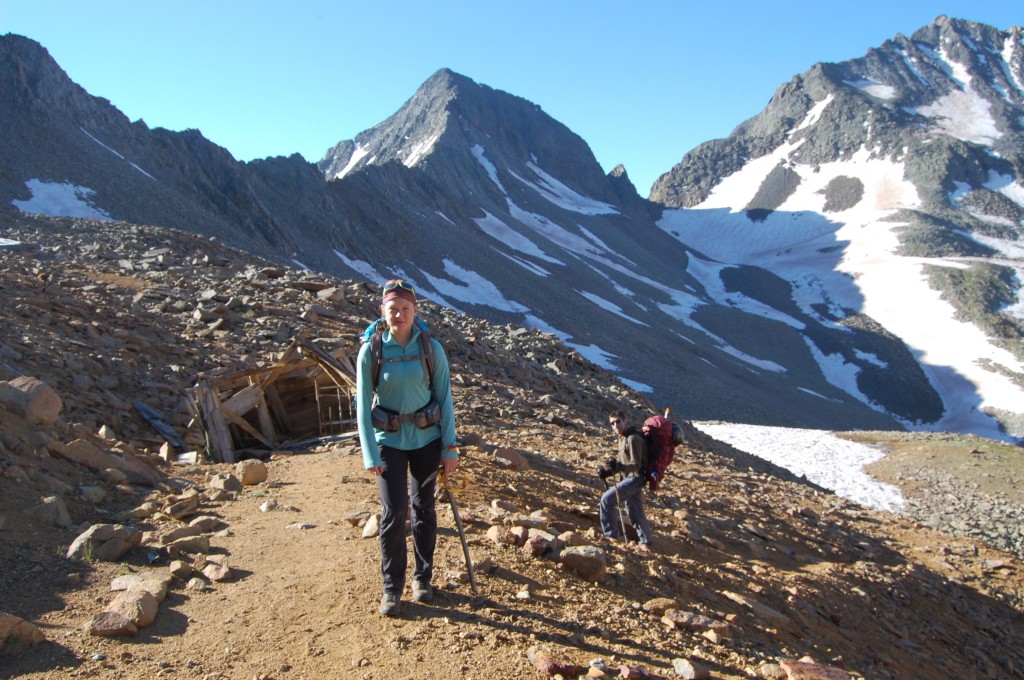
(104, 542)
(586, 561)
(17, 634)
(136, 605)
(32, 399)
(111, 624)
(251, 472)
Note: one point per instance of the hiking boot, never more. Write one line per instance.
(422, 591)
(389, 604)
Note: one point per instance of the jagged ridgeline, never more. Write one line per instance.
(778, 276)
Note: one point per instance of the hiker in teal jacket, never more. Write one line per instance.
(406, 431)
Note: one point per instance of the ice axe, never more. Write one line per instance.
(458, 526)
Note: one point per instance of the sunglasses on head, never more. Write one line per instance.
(398, 283)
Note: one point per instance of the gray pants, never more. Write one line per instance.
(631, 494)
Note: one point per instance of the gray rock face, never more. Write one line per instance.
(463, 172)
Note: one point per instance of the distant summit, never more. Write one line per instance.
(900, 172)
(784, 276)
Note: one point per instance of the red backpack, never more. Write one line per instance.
(662, 436)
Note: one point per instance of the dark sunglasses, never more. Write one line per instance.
(398, 283)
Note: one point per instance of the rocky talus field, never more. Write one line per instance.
(121, 557)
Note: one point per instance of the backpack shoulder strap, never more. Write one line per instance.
(376, 340)
(427, 357)
(376, 349)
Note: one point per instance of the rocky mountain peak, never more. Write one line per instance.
(460, 120)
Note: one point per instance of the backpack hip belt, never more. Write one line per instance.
(392, 421)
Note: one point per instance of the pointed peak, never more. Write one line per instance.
(447, 79)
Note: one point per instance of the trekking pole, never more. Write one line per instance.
(618, 507)
(458, 526)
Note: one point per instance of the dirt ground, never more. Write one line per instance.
(302, 601)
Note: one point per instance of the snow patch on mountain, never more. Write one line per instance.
(498, 230)
(564, 197)
(60, 199)
(471, 288)
(359, 154)
(360, 266)
(873, 88)
(848, 261)
(823, 458)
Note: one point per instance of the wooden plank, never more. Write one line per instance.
(216, 429)
(244, 400)
(341, 374)
(244, 424)
(266, 423)
(277, 406)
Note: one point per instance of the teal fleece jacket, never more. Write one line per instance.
(402, 388)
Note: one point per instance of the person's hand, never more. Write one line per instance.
(449, 465)
(376, 471)
(604, 472)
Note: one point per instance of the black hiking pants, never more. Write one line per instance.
(404, 478)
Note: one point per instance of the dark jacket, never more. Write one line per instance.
(632, 453)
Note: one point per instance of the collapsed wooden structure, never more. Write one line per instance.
(307, 394)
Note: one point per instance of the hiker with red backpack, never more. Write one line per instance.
(630, 462)
(406, 431)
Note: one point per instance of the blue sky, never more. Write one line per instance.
(641, 82)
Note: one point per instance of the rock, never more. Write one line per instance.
(111, 624)
(180, 532)
(197, 583)
(674, 619)
(206, 523)
(137, 605)
(180, 569)
(585, 561)
(191, 544)
(147, 509)
(217, 568)
(32, 399)
(500, 535)
(155, 585)
(685, 668)
(547, 663)
(53, 510)
(88, 454)
(659, 605)
(513, 459)
(536, 545)
(225, 482)
(251, 472)
(763, 611)
(105, 542)
(17, 634)
(809, 670)
(634, 672)
(180, 508)
(93, 494)
(372, 526)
